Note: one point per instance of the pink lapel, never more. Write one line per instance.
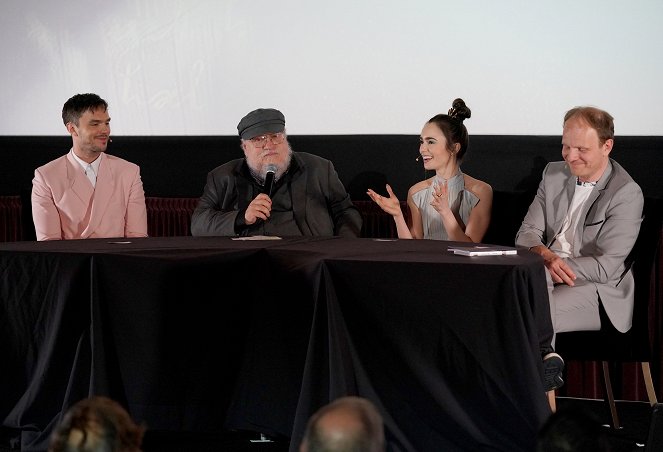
(102, 195)
(78, 181)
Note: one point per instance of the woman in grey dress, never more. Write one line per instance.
(450, 205)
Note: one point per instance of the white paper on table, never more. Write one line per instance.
(258, 237)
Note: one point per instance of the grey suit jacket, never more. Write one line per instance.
(607, 230)
(320, 204)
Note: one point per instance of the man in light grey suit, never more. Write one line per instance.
(584, 221)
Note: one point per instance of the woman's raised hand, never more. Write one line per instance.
(390, 205)
(440, 200)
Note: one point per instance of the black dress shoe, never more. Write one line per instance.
(553, 368)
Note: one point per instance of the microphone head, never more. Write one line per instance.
(270, 168)
(270, 172)
(417, 159)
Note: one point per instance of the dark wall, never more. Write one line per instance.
(177, 166)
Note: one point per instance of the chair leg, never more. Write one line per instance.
(649, 383)
(609, 395)
(551, 400)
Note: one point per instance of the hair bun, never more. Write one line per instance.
(459, 110)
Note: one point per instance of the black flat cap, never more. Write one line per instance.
(261, 121)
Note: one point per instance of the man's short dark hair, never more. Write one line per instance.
(74, 108)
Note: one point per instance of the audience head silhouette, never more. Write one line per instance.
(97, 424)
(348, 424)
(572, 429)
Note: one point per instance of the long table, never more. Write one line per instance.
(214, 334)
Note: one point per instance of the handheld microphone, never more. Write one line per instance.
(269, 180)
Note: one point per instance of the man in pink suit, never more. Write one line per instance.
(88, 193)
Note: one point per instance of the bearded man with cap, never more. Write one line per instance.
(306, 197)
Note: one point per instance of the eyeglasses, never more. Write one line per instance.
(261, 140)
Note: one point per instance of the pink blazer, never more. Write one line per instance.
(65, 205)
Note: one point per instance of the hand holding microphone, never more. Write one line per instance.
(261, 207)
(269, 179)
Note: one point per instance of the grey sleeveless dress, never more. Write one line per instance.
(461, 202)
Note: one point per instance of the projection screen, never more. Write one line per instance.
(196, 67)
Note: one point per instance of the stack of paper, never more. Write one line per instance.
(483, 250)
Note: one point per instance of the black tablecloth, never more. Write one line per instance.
(210, 334)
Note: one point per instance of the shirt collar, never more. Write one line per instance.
(585, 184)
(95, 164)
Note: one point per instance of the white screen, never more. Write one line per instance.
(195, 67)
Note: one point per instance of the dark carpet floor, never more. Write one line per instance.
(635, 419)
